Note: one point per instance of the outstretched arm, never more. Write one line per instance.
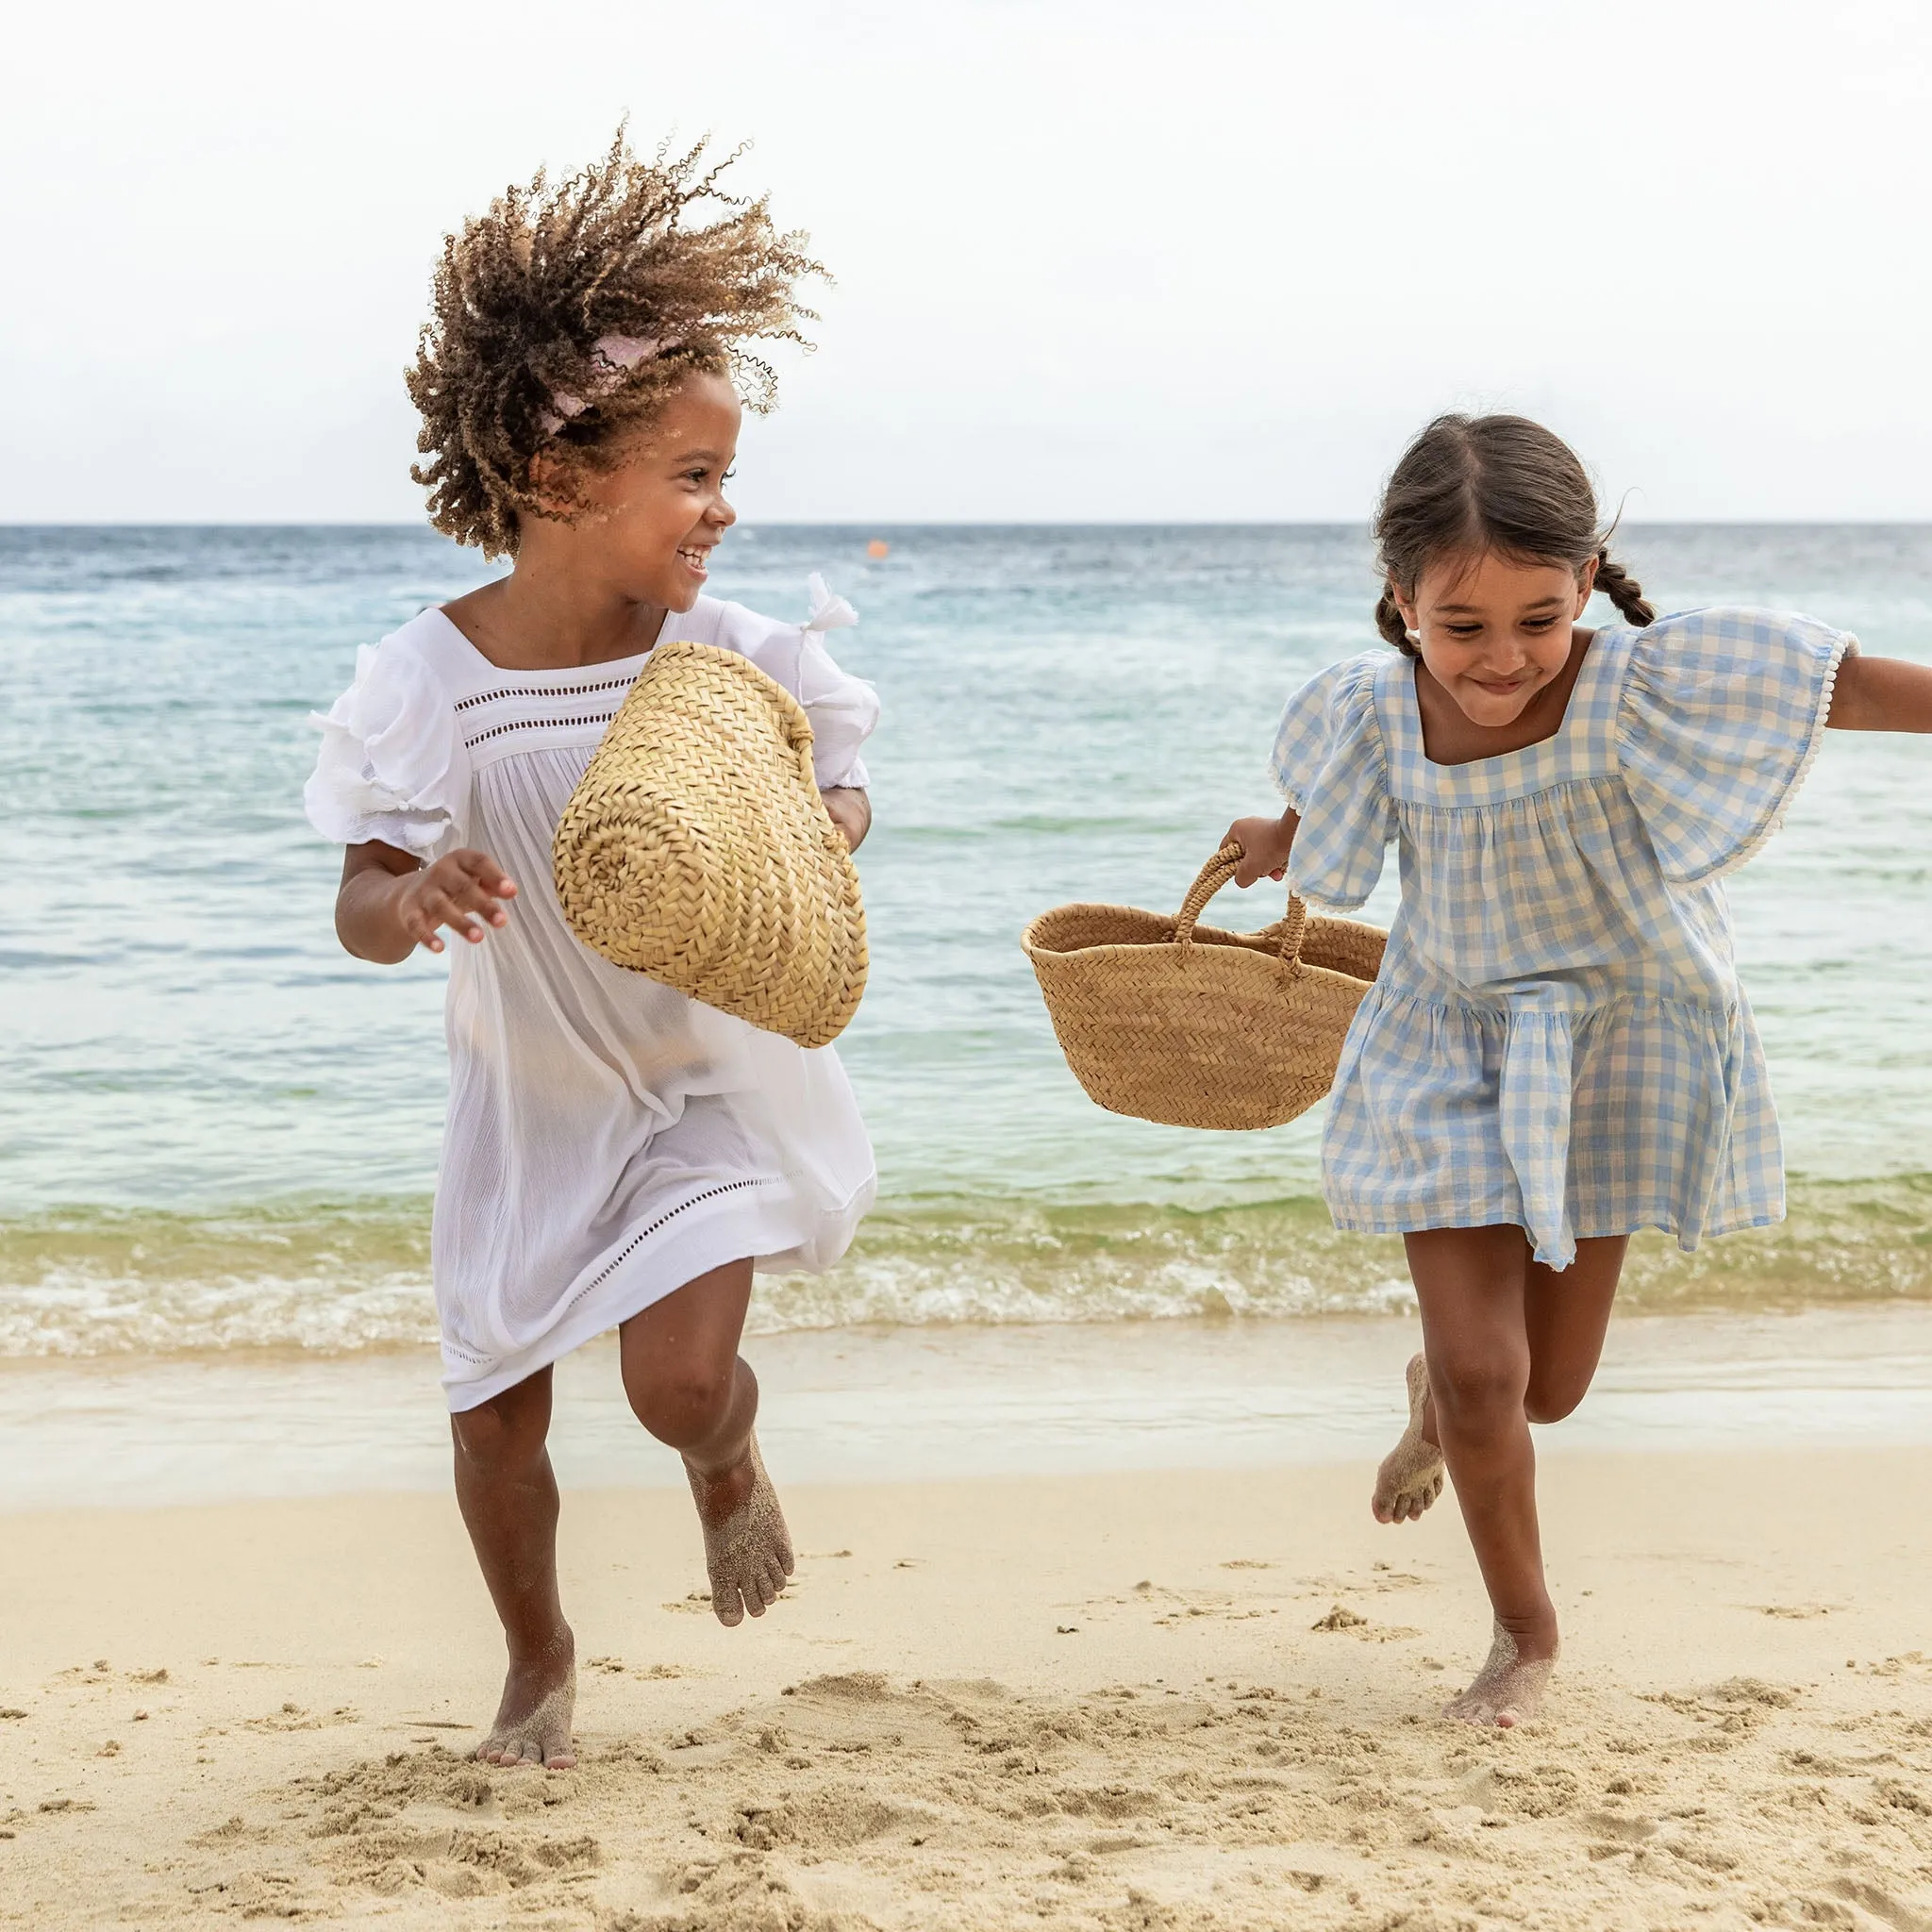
(390, 901)
(1881, 694)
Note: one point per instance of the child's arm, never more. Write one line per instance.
(390, 901)
(1265, 845)
(1881, 694)
(850, 812)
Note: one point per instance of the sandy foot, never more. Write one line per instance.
(1509, 1689)
(1410, 1477)
(748, 1548)
(532, 1724)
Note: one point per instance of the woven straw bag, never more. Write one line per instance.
(1175, 1022)
(697, 851)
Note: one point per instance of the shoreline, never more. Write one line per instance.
(928, 1404)
(1111, 1702)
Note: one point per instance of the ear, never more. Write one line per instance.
(548, 484)
(1586, 583)
(1411, 622)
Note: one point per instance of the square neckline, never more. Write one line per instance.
(497, 670)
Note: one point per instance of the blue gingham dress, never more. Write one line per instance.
(1557, 1038)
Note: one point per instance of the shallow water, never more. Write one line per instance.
(902, 1404)
(218, 1131)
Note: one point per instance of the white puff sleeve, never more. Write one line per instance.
(844, 709)
(392, 765)
(1330, 765)
(1721, 714)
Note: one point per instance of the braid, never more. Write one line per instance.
(1622, 589)
(1388, 622)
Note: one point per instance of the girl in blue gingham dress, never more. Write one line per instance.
(1556, 1051)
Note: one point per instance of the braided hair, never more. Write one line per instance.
(1472, 484)
(526, 296)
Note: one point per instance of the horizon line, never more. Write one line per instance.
(1736, 523)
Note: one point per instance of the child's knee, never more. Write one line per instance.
(1479, 1392)
(495, 1436)
(683, 1404)
(1549, 1400)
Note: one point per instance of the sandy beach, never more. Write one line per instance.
(1129, 1700)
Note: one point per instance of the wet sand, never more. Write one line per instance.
(1131, 1700)
(855, 1404)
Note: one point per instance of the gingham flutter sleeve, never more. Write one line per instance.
(1723, 712)
(1330, 765)
(392, 765)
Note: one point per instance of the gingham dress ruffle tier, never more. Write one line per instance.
(1557, 1038)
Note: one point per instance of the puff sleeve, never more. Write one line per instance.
(1721, 715)
(1330, 765)
(844, 709)
(392, 765)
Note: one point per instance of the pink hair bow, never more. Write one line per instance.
(618, 355)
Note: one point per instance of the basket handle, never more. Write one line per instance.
(1215, 875)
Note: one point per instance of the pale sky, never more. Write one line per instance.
(1100, 262)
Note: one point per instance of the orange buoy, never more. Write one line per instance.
(877, 548)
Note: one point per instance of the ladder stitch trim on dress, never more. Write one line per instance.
(643, 1233)
(537, 724)
(527, 690)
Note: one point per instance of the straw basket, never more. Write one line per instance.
(1182, 1023)
(697, 851)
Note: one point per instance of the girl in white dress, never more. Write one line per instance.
(615, 1154)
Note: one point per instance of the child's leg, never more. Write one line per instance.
(1507, 1341)
(1567, 1317)
(689, 1386)
(507, 1495)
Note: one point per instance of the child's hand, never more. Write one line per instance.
(458, 883)
(1265, 845)
(850, 809)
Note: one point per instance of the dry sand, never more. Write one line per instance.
(1144, 1701)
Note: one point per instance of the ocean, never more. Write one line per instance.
(219, 1133)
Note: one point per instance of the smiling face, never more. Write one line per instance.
(1494, 631)
(653, 517)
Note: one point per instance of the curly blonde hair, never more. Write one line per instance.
(525, 293)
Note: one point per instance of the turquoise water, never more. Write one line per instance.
(216, 1129)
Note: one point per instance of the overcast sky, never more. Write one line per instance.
(1107, 261)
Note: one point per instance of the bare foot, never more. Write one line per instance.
(1509, 1689)
(748, 1548)
(1410, 1477)
(533, 1721)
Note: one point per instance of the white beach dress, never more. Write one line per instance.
(608, 1138)
(1557, 1038)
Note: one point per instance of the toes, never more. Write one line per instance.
(724, 1600)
